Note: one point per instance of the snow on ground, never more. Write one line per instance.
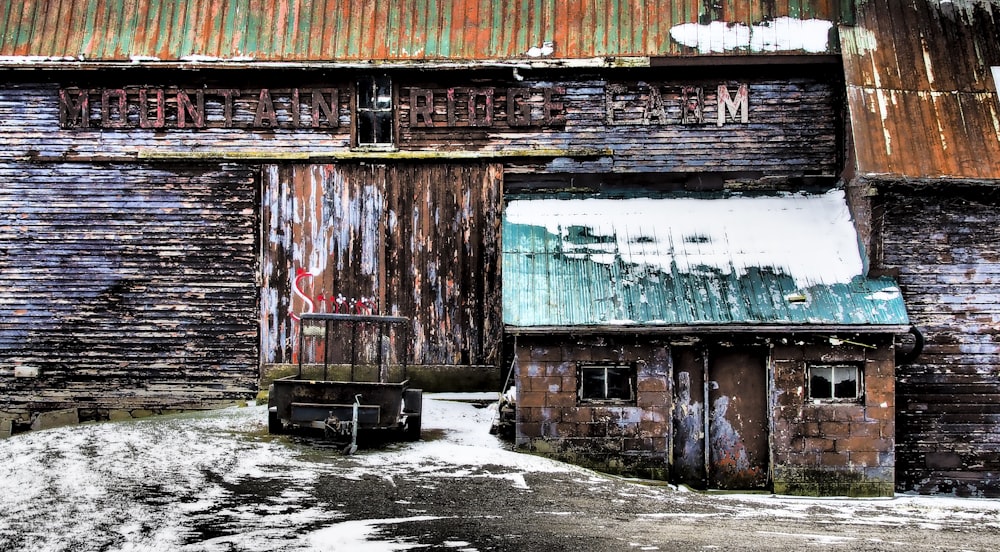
(162, 483)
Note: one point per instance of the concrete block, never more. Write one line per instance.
(55, 418)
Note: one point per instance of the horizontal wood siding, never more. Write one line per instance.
(415, 240)
(947, 250)
(126, 286)
(793, 127)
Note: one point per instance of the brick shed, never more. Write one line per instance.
(725, 341)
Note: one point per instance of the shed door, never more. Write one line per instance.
(725, 447)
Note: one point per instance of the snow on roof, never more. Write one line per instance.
(806, 236)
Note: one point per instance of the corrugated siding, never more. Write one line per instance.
(420, 241)
(289, 30)
(127, 286)
(945, 246)
(922, 100)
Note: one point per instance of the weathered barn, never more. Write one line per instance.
(922, 81)
(183, 180)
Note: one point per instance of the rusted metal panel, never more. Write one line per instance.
(721, 442)
(420, 241)
(943, 243)
(738, 420)
(915, 112)
(143, 31)
(126, 287)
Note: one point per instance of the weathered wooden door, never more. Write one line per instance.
(720, 443)
(419, 240)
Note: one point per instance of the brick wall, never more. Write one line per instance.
(817, 448)
(618, 438)
(833, 449)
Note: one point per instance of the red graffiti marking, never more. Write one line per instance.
(328, 303)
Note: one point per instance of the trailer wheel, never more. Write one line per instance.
(274, 425)
(411, 431)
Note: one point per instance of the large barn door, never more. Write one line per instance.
(723, 445)
(420, 241)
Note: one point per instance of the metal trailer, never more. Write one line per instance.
(376, 407)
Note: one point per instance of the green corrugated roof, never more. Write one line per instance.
(146, 31)
(783, 260)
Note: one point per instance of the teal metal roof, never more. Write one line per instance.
(780, 260)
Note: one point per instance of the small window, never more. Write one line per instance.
(374, 113)
(835, 382)
(606, 382)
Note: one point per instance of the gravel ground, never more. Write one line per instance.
(217, 481)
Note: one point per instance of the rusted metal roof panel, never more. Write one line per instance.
(922, 99)
(409, 30)
(789, 260)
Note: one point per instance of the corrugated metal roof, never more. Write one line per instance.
(403, 30)
(791, 259)
(922, 101)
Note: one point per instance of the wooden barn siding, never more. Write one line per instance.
(793, 129)
(421, 239)
(126, 286)
(947, 250)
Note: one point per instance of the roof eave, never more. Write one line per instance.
(757, 329)
(83, 64)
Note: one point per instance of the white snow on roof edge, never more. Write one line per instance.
(809, 237)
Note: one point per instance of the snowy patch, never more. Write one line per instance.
(29, 60)
(546, 49)
(887, 294)
(809, 237)
(361, 536)
(783, 34)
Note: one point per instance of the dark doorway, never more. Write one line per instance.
(721, 443)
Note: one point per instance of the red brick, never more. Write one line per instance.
(548, 384)
(654, 429)
(868, 459)
(560, 399)
(815, 444)
(866, 430)
(567, 430)
(551, 354)
(879, 385)
(834, 429)
(861, 444)
(530, 431)
(528, 415)
(835, 459)
(649, 399)
(655, 415)
(530, 399)
(811, 429)
(578, 415)
(651, 384)
(658, 444)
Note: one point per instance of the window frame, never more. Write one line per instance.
(859, 382)
(630, 382)
(371, 82)
(996, 80)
